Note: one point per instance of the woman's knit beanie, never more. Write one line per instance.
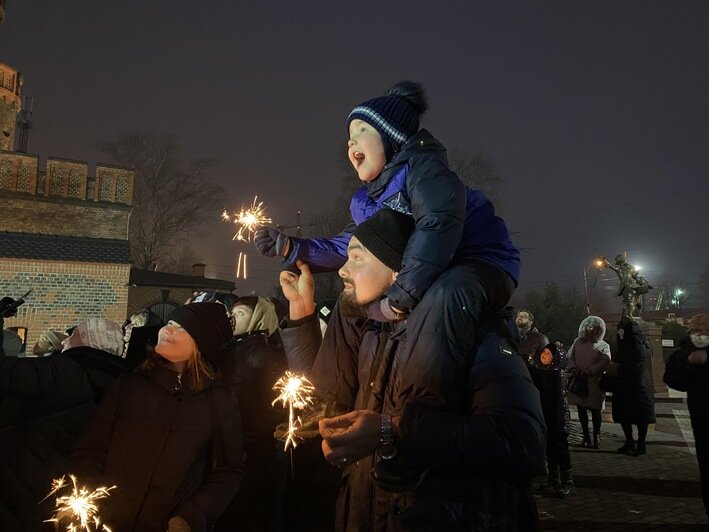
(207, 324)
(385, 235)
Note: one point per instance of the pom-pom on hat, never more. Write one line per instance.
(385, 235)
(395, 115)
(207, 324)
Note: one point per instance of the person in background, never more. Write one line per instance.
(45, 403)
(548, 373)
(687, 371)
(588, 358)
(532, 342)
(253, 362)
(634, 398)
(139, 332)
(49, 342)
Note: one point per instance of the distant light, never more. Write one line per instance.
(679, 292)
(599, 263)
(637, 268)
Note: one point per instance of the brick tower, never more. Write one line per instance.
(10, 98)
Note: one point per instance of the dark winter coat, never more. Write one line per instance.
(634, 400)
(532, 343)
(444, 499)
(690, 378)
(453, 222)
(254, 363)
(169, 452)
(45, 404)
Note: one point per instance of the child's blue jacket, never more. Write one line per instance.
(454, 223)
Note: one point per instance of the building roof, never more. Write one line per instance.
(63, 248)
(139, 277)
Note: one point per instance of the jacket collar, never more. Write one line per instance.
(169, 380)
(421, 142)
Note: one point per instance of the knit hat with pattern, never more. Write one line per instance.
(395, 115)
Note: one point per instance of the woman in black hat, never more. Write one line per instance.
(167, 436)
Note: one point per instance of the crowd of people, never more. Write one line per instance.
(436, 406)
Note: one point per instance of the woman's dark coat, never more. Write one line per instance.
(45, 404)
(169, 451)
(634, 400)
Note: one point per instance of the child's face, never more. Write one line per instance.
(365, 150)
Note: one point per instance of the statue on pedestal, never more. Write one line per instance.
(632, 284)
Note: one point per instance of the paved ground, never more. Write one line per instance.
(656, 492)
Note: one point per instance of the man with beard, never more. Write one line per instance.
(436, 437)
(532, 342)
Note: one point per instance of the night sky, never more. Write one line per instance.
(596, 114)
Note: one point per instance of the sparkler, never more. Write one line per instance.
(296, 392)
(247, 219)
(241, 266)
(79, 507)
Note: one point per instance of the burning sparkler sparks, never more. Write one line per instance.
(80, 507)
(296, 392)
(247, 219)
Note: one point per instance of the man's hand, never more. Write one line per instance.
(299, 290)
(697, 357)
(350, 437)
(272, 243)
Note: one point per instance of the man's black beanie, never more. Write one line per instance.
(385, 235)
(207, 324)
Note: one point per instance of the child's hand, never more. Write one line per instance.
(272, 243)
(299, 290)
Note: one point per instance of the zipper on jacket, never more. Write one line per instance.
(178, 384)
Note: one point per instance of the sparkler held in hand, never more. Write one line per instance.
(248, 219)
(296, 392)
(79, 508)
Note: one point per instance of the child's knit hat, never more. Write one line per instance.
(395, 115)
(385, 235)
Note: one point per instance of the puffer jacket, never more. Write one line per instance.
(507, 422)
(168, 450)
(454, 223)
(45, 404)
(591, 358)
(634, 399)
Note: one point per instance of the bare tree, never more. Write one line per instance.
(477, 170)
(171, 196)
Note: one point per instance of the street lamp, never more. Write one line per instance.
(598, 263)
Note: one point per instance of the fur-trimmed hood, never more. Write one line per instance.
(601, 345)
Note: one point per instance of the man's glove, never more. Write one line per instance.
(177, 524)
(272, 243)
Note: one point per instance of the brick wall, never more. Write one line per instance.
(62, 217)
(64, 293)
